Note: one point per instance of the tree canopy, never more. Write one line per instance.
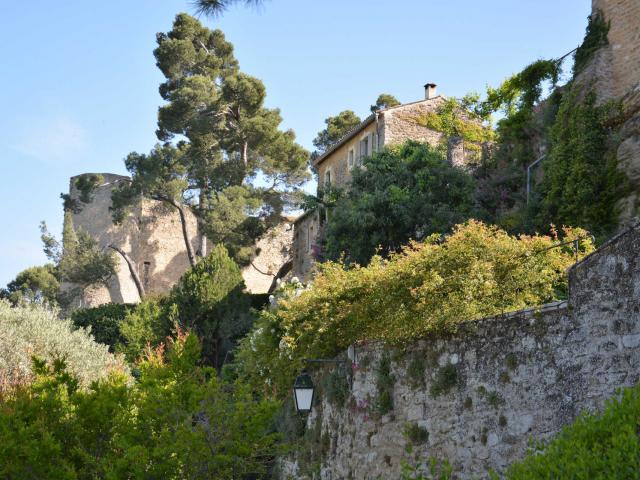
(79, 259)
(215, 8)
(403, 193)
(385, 100)
(38, 284)
(336, 127)
(210, 301)
(218, 139)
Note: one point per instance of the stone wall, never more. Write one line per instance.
(274, 249)
(400, 123)
(152, 236)
(305, 240)
(622, 56)
(614, 74)
(502, 381)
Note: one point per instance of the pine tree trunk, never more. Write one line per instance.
(203, 245)
(203, 238)
(185, 232)
(245, 153)
(132, 269)
(282, 271)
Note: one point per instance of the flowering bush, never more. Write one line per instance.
(427, 288)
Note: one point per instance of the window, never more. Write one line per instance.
(350, 159)
(327, 178)
(365, 147)
(310, 238)
(145, 277)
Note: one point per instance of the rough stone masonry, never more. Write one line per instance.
(511, 378)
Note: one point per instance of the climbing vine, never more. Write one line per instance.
(582, 184)
(453, 119)
(427, 289)
(595, 38)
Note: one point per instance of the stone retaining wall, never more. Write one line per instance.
(483, 393)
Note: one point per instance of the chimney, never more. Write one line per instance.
(430, 91)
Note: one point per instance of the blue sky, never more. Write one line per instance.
(79, 86)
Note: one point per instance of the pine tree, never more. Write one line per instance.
(231, 139)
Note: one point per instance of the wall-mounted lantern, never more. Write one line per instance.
(303, 388)
(303, 392)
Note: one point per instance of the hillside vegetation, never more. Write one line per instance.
(35, 331)
(597, 446)
(427, 288)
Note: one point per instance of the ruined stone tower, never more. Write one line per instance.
(152, 237)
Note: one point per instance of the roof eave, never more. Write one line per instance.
(348, 136)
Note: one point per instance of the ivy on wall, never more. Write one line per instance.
(453, 119)
(594, 39)
(581, 183)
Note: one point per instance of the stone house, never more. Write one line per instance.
(388, 126)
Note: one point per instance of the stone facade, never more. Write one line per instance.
(346, 157)
(152, 237)
(393, 125)
(305, 239)
(274, 250)
(516, 377)
(618, 64)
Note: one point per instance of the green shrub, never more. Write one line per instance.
(511, 361)
(177, 421)
(416, 370)
(494, 399)
(385, 382)
(210, 300)
(502, 421)
(259, 300)
(446, 379)
(37, 331)
(149, 323)
(403, 193)
(103, 321)
(416, 434)
(596, 445)
(594, 39)
(431, 470)
(429, 288)
(336, 387)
